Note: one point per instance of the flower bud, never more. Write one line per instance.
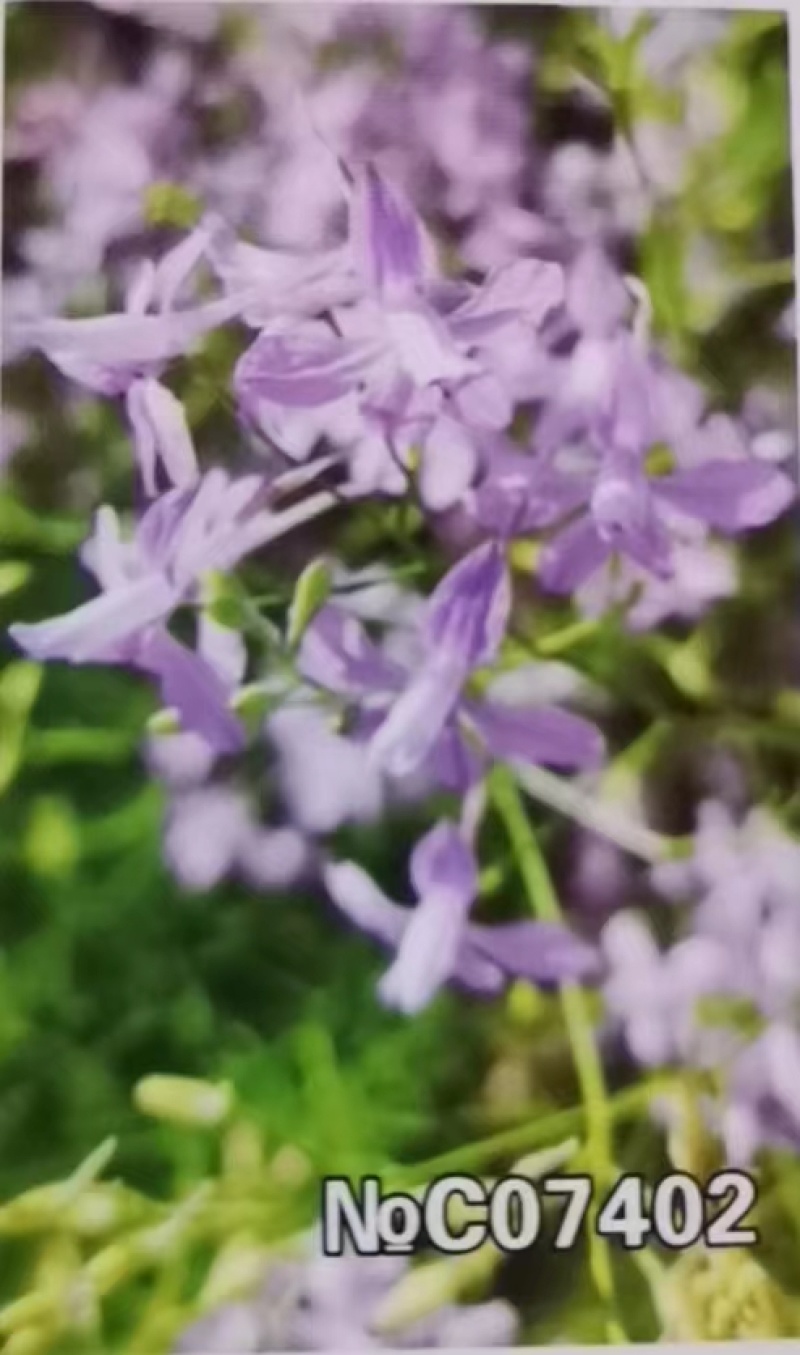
(237, 1270)
(722, 1296)
(184, 1100)
(427, 1288)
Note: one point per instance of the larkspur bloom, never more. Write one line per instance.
(724, 997)
(113, 143)
(424, 92)
(417, 711)
(420, 360)
(436, 943)
(211, 833)
(597, 489)
(124, 355)
(181, 537)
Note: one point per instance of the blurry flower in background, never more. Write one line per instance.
(332, 1304)
(190, 18)
(725, 995)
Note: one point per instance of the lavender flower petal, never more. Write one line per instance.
(190, 686)
(730, 496)
(545, 736)
(161, 434)
(94, 631)
(468, 612)
(572, 557)
(360, 899)
(386, 237)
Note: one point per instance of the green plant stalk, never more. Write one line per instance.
(577, 1018)
(549, 1129)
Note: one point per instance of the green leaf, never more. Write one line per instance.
(312, 592)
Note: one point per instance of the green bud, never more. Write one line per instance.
(524, 556)
(688, 666)
(525, 1004)
(290, 1167)
(14, 574)
(660, 460)
(36, 1211)
(112, 1266)
(19, 687)
(227, 612)
(169, 204)
(224, 599)
(237, 1270)
(243, 1151)
(310, 595)
(29, 1341)
(537, 1165)
(184, 1100)
(736, 1013)
(723, 1296)
(52, 841)
(37, 1308)
(164, 722)
(427, 1288)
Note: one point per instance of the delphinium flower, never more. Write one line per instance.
(436, 943)
(595, 479)
(417, 709)
(723, 997)
(181, 537)
(426, 90)
(703, 572)
(419, 361)
(112, 145)
(332, 1304)
(124, 356)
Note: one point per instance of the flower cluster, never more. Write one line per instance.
(724, 997)
(445, 435)
(372, 364)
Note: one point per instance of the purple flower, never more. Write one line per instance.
(653, 995)
(725, 995)
(183, 535)
(416, 353)
(703, 572)
(112, 144)
(332, 1303)
(425, 718)
(124, 355)
(598, 490)
(325, 778)
(211, 833)
(436, 943)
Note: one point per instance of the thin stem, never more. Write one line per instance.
(577, 1018)
(541, 1133)
(561, 795)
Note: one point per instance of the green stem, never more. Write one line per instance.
(767, 272)
(577, 1017)
(525, 1138)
